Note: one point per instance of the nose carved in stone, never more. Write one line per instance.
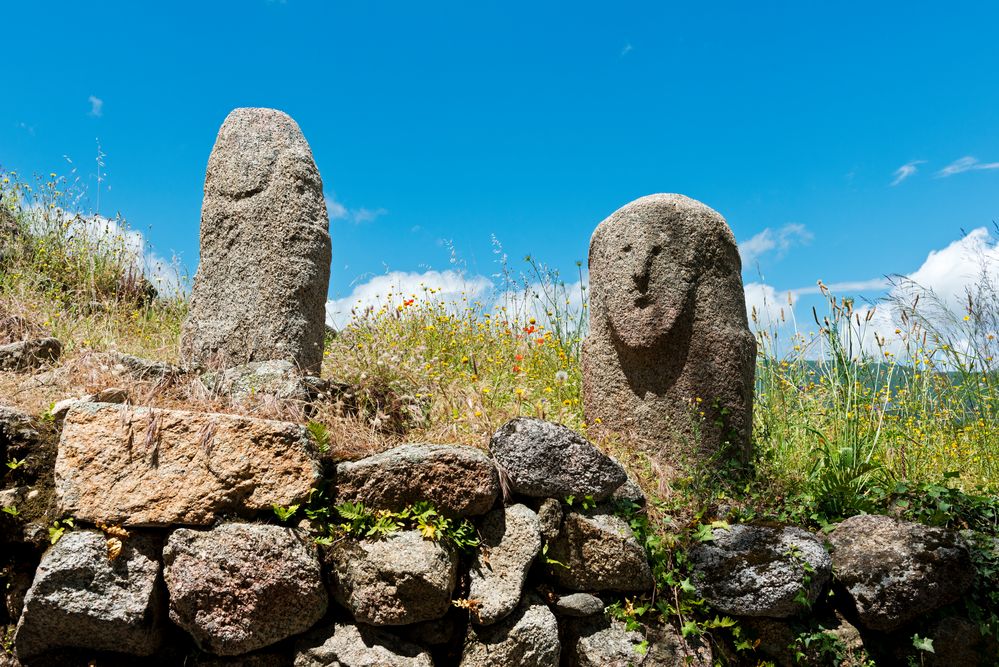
(642, 276)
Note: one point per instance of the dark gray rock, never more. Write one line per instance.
(16, 425)
(396, 581)
(599, 552)
(437, 632)
(579, 605)
(760, 571)
(81, 598)
(669, 337)
(630, 492)
(457, 480)
(896, 571)
(526, 638)
(240, 587)
(257, 659)
(346, 645)
(260, 290)
(550, 516)
(547, 460)
(26, 355)
(606, 642)
(510, 541)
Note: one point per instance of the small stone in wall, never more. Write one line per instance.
(345, 645)
(82, 599)
(548, 460)
(606, 642)
(240, 587)
(550, 516)
(526, 638)
(579, 605)
(399, 580)
(761, 571)
(457, 480)
(511, 539)
(599, 552)
(896, 571)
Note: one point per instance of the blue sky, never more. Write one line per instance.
(534, 121)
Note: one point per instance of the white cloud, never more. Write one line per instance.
(950, 272)
(848, 286)
(338, 211)
(769, 239)
(966, 163)
(449, 285)
(628, 48)
(163, 274)
(943, 280)
(116, 238)
(96, 106)
(905, 171)
(522, 300)
(766, 308)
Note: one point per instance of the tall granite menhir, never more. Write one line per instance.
(260, 290)
(669, 338)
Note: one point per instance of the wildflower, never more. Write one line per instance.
(561, 377)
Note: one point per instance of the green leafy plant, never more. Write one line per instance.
(284, 513)
(14, 464)
(11, 510)
(58, 528)
(818, 647)
(549, 560)
(320, 435)
(586, 502)
(359, 522)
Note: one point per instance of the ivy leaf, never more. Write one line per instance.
(922, 643)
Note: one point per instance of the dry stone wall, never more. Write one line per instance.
(231, 585)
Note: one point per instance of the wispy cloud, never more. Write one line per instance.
(966, 163)
(96, 106)
(338, 211)
(770, 239)
(30, 129)
(906, 170)
(628, 48)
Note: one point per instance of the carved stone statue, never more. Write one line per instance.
(669, 359)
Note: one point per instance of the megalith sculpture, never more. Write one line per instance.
(669, 359)
(260, 290)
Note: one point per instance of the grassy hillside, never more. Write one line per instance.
(844, 421)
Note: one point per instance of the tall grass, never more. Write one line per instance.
(902, 391)
(79, 277)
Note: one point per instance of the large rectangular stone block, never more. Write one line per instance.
(151, 467)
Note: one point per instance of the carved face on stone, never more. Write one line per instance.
(647, 276)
